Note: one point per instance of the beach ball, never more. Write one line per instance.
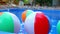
(58, 27)
(9, 22)
(37, 23)
(25, 14)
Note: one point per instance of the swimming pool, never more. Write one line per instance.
(53, 15)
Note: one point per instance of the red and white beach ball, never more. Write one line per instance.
(37, 23)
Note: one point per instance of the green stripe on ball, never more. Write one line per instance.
(6, 22)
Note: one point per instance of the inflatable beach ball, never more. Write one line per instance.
(58, 27)
(37, 23)
(25, 14)
(9, 22)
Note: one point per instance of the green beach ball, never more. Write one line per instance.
(58, 27)
(9, 22)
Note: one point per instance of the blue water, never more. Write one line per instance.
(53, 16)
